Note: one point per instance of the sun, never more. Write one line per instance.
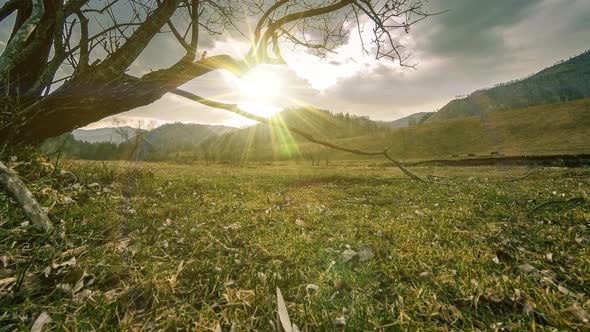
(260, 84)
(260, 91)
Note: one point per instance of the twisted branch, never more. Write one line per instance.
(235, 109)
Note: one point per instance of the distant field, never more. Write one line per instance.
(193, 247)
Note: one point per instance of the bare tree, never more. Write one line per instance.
(133, 134)
(209, 149)
(95, 46)
(66, 62)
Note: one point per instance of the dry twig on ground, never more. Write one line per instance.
(15, 187)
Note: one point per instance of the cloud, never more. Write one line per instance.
(475, 45)
(471, 28)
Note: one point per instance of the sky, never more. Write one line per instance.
(474, 45)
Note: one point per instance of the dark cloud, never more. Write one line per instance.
(469, 28)
(474, 45)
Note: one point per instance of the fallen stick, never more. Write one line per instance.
(523, 177)
(23, 196)
(575, 200)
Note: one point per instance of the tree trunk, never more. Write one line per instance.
(88, 99)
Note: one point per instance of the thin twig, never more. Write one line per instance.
(59, 152)
(575, 200)
(524, 176)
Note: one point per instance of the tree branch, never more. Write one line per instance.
(84, 49)
(73, 6)
(8, 9)
(11, 53)
(235, 109)
(123, 57)
(59, 53)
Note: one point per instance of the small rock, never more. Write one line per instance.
(365, 253)
(65, 289)
(313, 287)
(348, 255)
(301, 223)
(528, 309)
(549, 258)
(339, 323)
(527, 268)
(424, 274)
(495, 299)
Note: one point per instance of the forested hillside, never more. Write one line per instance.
(565, 81)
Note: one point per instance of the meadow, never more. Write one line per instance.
(143, 246)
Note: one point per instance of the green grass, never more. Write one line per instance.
(190, 247)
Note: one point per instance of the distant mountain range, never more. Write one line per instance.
(179, 134)
(174, 133)
(114, 135)
(171, 139)
(565, 81)
(406, 121)
(560, 128)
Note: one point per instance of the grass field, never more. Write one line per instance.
(168, 247)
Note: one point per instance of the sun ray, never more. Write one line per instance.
(286, 137)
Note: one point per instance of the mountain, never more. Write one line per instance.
(565, 81)
(407, 121)
(554, 129)
(182, 134)
(166, 142)
(561, 128)
(265, 142)
(179, 138)
(113, 135)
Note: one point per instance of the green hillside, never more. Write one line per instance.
(271, 143)
(565, 81)
(171, 140)
(562, 128)
(551, 129)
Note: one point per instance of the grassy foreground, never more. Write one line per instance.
(167, 247)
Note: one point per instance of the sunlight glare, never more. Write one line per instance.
(259, 109)
(260, 85)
